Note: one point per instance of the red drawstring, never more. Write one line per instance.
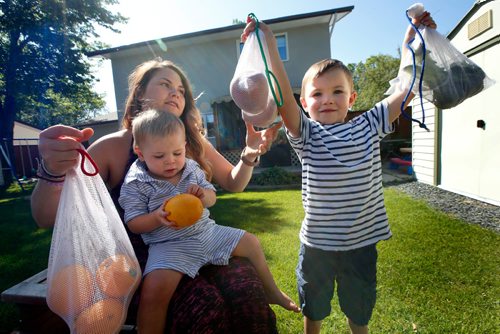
(84, 155)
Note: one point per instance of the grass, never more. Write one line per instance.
(436, 275)
(24, 248)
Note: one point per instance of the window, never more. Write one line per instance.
(209, 125)
(282, 44)
(281, 41)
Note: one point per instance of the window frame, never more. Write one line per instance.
(281, 34)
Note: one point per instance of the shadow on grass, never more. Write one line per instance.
(256, 215)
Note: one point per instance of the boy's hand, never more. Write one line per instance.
(426, 20)
(250, 27)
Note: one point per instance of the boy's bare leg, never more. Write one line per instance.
(249, 247)
(355, 329)
(157, 290)
(311, 326)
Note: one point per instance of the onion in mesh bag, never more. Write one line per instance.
(263, 119)
(250, 91)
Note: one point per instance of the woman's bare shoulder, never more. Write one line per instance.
(111, 153)
(112, 141)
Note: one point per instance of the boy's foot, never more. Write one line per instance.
(280, 298)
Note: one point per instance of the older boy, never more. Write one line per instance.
(342, 194)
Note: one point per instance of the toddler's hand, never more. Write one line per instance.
(195, 190)
(161, 215)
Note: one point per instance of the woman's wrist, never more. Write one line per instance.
(48, 177)
(248, 160)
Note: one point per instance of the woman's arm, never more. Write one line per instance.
(229, 177)
(57, 148)
(236, 178)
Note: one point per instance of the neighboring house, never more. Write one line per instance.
(209, 59)
(102, 125)
(457, 154)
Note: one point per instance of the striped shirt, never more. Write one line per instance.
(342, 181)
(142, 194)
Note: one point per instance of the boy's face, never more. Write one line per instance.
(328, 97)
(165, 156)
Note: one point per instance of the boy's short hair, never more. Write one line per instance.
(323, 66)
(154, 123)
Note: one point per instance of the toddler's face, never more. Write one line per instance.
(165, 156)
(328, 97)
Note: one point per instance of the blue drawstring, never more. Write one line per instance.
(420, 83)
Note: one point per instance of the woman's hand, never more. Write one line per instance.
(259, 142)
(57, 146)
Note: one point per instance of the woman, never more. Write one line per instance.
(219, 299)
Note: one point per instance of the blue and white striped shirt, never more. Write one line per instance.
(142, 194)
(342, 181)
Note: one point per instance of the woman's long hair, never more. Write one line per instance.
(191, 117)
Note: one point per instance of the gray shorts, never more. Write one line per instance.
(212, 246)
(354, 272)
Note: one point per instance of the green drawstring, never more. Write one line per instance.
(269, 74)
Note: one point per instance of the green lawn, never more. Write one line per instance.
(436, 275)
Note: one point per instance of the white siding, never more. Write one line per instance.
(470, 156)
(424, 143)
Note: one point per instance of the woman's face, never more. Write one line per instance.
(165, 92)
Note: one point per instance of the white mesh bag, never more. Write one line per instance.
(250, 88)
(92, 271)
(449, 77)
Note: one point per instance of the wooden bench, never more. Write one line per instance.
(398, 162)
(35, 315)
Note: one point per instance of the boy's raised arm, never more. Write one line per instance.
(289, 111)
(396, 99)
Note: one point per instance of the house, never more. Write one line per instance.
(460, 153)
(25, 151)
(102, 125)
(209, 59)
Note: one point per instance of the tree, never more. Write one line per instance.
(45, 77)
(371, 79)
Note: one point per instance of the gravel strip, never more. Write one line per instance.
(462, 207)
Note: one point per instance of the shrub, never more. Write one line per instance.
(275, 176)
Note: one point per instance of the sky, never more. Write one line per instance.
(373, 27)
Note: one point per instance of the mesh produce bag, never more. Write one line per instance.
(251, 87)
(447, 76)
(92, 271)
